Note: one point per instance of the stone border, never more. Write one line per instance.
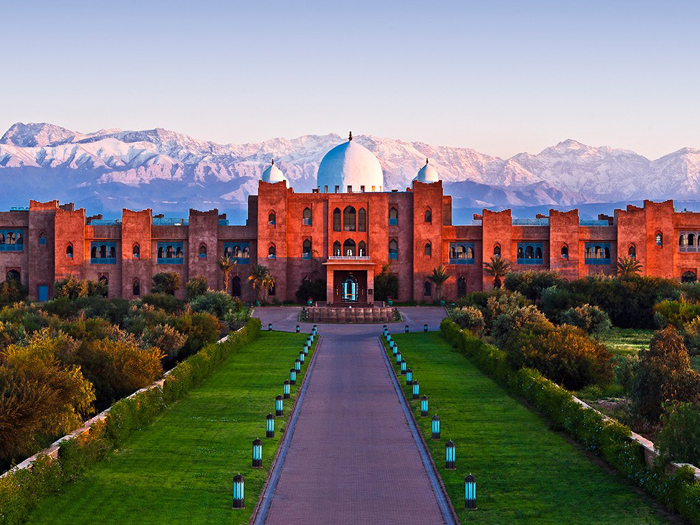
(443, 499)
(262, 506)
(53, 450)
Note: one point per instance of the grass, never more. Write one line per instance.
(627, 341)
(525, 472)
(180, 469)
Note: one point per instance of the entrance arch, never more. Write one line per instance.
(350, 289)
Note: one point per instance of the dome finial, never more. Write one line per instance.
(350, 136)
(273, 162)
(426, 161)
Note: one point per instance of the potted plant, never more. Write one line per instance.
(310, 301)
(388, 300)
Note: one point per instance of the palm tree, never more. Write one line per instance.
(497, 268)
(268, 282)
(257, 277)
(628, 267)
(438, 277)
(226, 264)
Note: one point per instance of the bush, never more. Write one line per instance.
(165, 338)
(691, 336)
(12, 292)
(216, 303)
(675, 313)
(314, 290)
(500, 303)
(470, 318)
(75, 288)
(532, 283)
(554, 301)
(166, 283)
(679, 439)
(625, 369)
(386, 284)
(200, 328)
(235, 319)
(664, 375)
(195, 287)
(589, 318)
(516, 321)
(165, 302)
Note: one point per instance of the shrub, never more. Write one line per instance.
(515, 321)
(679, 439)
(235, 319)
(215, 303)
(195, 287)
(675, 313)
(625, 369)
(165, 302)
(386, 284)
(533, 282)
(470, 318)
(566, 355)
(691, 335)
(589, 318)
(500, 303)
(166, 283)
(166, 338)
(200, 328)
(12, 292)
(314, 290)
(664, 375)
(75, 288)
(554, 301)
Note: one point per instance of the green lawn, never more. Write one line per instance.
(525, 472)
(180, 469)
(627, 341)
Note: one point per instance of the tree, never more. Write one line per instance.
(386, 284)
(267, 284)
(195, 287)
(258, 278)
(664, 374)
(628, 267)
(498, 269)
(166, 283)
(438, 277)
(226, 264)
(679, 440)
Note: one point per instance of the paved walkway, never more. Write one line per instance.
(352, 458)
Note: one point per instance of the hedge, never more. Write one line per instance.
(21, 490)
(606, 438)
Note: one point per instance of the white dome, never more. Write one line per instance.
(273, 174)
(427, 174)
(349, 164)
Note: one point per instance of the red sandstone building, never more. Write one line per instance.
(345, 231)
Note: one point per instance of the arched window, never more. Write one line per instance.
(136, 251)
(529, 252)
(427, 288)
(103, 279)
(42, 239)
(20, 239)
(306, 217)
(362, 249)
(93, 252)
(497, 252)
(349, 248)
(428, 250)
(227, 253)
(688, 276)
(136, 288)
(169, 252)
(682, 240)
(428, 215)
(272, 218)
(12, 275)
(2, 238)
(336, 220)
(336, 248)
(393, 217)
(565, 252)
(659, 239)
(271, 253)
(160, 252)
(236, 292)
(112, 252)
(393, 250)
(597, 252)
(271, 290)
(349, 219)
(538, 253)
(691, 239)
(69, 251)
(606, 253)
(306, 248)
(632, 252)
(10, 238)
(362, 220)
(178, 252)
(246, 252)
(461, 287)
(203, 251)
(470, 253)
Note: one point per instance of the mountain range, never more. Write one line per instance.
(170, 172)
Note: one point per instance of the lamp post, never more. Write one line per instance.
(406, 329)
(292, 376)
(238, 492)
(416, 390)
(396, 349)
(257, 453)
(392, 344)
(287, 389)
(470, 492)
(298, 328)
(302, 357)
(425, 327)
(399, 358)
(435, 427)
(424, 406)
(306, 349)
(279, 406)
(403, 367)
(450, 455)
(269, 327)
(270, 426)
(409, 376)
(297, 365)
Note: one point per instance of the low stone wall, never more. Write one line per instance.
(349, 315)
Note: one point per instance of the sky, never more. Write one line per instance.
(501, 77)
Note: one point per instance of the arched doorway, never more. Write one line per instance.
(689, 276)
(461, 287)
(12, 275)
(350, 289)
(236, 286)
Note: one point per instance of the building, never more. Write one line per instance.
(345, 231)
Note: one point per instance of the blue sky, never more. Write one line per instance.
(501, 77)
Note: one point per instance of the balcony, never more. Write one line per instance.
(349, 258)
(11, 247)
(170, 260)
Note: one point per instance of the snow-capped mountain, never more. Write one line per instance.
(167, 171)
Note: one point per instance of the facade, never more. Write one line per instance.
(344, 231)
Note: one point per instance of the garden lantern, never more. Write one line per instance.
(424, 406)
(301, 357)
(409, 376)
(425, 327)
(392, 344)
(398, 358)
(297, 365)
(270, 426)
(292, 376)
(416, 390)
(384, 327)
(306, 350)
(396, 349)
(406, 329)
(298, 328)
(469, 492)
(403, 367)
(435, 427)
(269, 327)
(287, 389)
(388, 338)
(257, 453)
(279, 406)
(450, 455)
(238, 492)
(315, 328)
